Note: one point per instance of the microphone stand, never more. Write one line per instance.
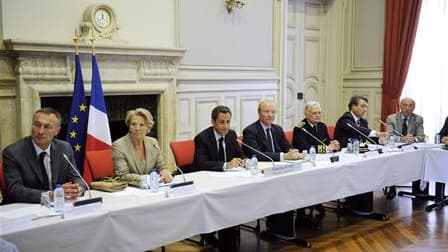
(398, 133)
(90, 199)
(333, 158)
(368, 138)
(390, 127)
(185, 182)
(257, 151)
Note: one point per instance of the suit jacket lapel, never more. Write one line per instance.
(33, 161)
(214, 144)
(131, 151)
(56, 164)
(261, 133)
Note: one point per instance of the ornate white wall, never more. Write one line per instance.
(329, 50)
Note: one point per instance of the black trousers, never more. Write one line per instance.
(228, 239)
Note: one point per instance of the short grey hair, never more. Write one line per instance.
(309, 105)
(147, 117)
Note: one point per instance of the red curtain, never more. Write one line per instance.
(401, 26)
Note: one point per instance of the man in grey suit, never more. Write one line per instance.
(407, 123)
(35, 164)
(408, 127)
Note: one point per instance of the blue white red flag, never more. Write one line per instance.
(98, 132)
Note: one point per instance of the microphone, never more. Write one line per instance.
(185, 182)
(390, 127)
(362, 134)
(300, 126)
(257, 151)
(368, 138)
(90, 199)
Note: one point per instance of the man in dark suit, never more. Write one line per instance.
(303, 141)
(268, 137)
(361, 203)
(313, 125)
(357, 109)
(444, 132)
(216, 149)
(35, 164)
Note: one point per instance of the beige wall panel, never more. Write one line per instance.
(213, 37)
(141, 23)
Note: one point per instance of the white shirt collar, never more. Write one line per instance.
(39, 150)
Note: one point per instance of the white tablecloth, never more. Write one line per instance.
(137, 220)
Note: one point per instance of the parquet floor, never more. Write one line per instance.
(410, 229)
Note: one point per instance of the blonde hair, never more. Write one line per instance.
(149, 121)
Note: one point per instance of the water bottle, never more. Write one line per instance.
(59, 199)
(154, 181)
(355, 146)
(437, 139)
(312, 155)
(254, 165)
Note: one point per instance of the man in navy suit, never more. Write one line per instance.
(312, 124)
(35, 164)
(361, 203)
(216, 149)
(357, 109)
(268, 137)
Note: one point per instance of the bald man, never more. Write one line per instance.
(407, 123)
(408, 127)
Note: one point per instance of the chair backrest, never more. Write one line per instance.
(240, 138)
(2, 182)
(330, 129)
(100, 163)
(183, 152)
(288, 135)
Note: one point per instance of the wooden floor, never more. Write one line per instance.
(410, 229)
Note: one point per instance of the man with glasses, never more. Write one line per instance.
(35, 164)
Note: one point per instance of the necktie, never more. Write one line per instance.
(358, 122)
(270, 143)
(404, 128)
(44, 171)
(315, 130)
(221, 150)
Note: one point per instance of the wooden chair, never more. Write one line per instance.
(99, 163)
(183, 152)
(330, 129)
(289, 136)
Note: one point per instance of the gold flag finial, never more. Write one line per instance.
(92, 41)
(76, 40)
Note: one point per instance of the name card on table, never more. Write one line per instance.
(281, 168)
(182, 189)
(83, 210)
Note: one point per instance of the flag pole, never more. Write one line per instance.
(76, 41)
(92, 41)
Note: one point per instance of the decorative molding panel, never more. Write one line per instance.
(44, 69)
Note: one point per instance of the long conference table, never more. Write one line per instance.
(137, 220)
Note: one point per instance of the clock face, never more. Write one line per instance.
(102, 18)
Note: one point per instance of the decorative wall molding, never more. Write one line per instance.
(45, 69)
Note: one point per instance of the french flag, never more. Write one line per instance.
(98, 132)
